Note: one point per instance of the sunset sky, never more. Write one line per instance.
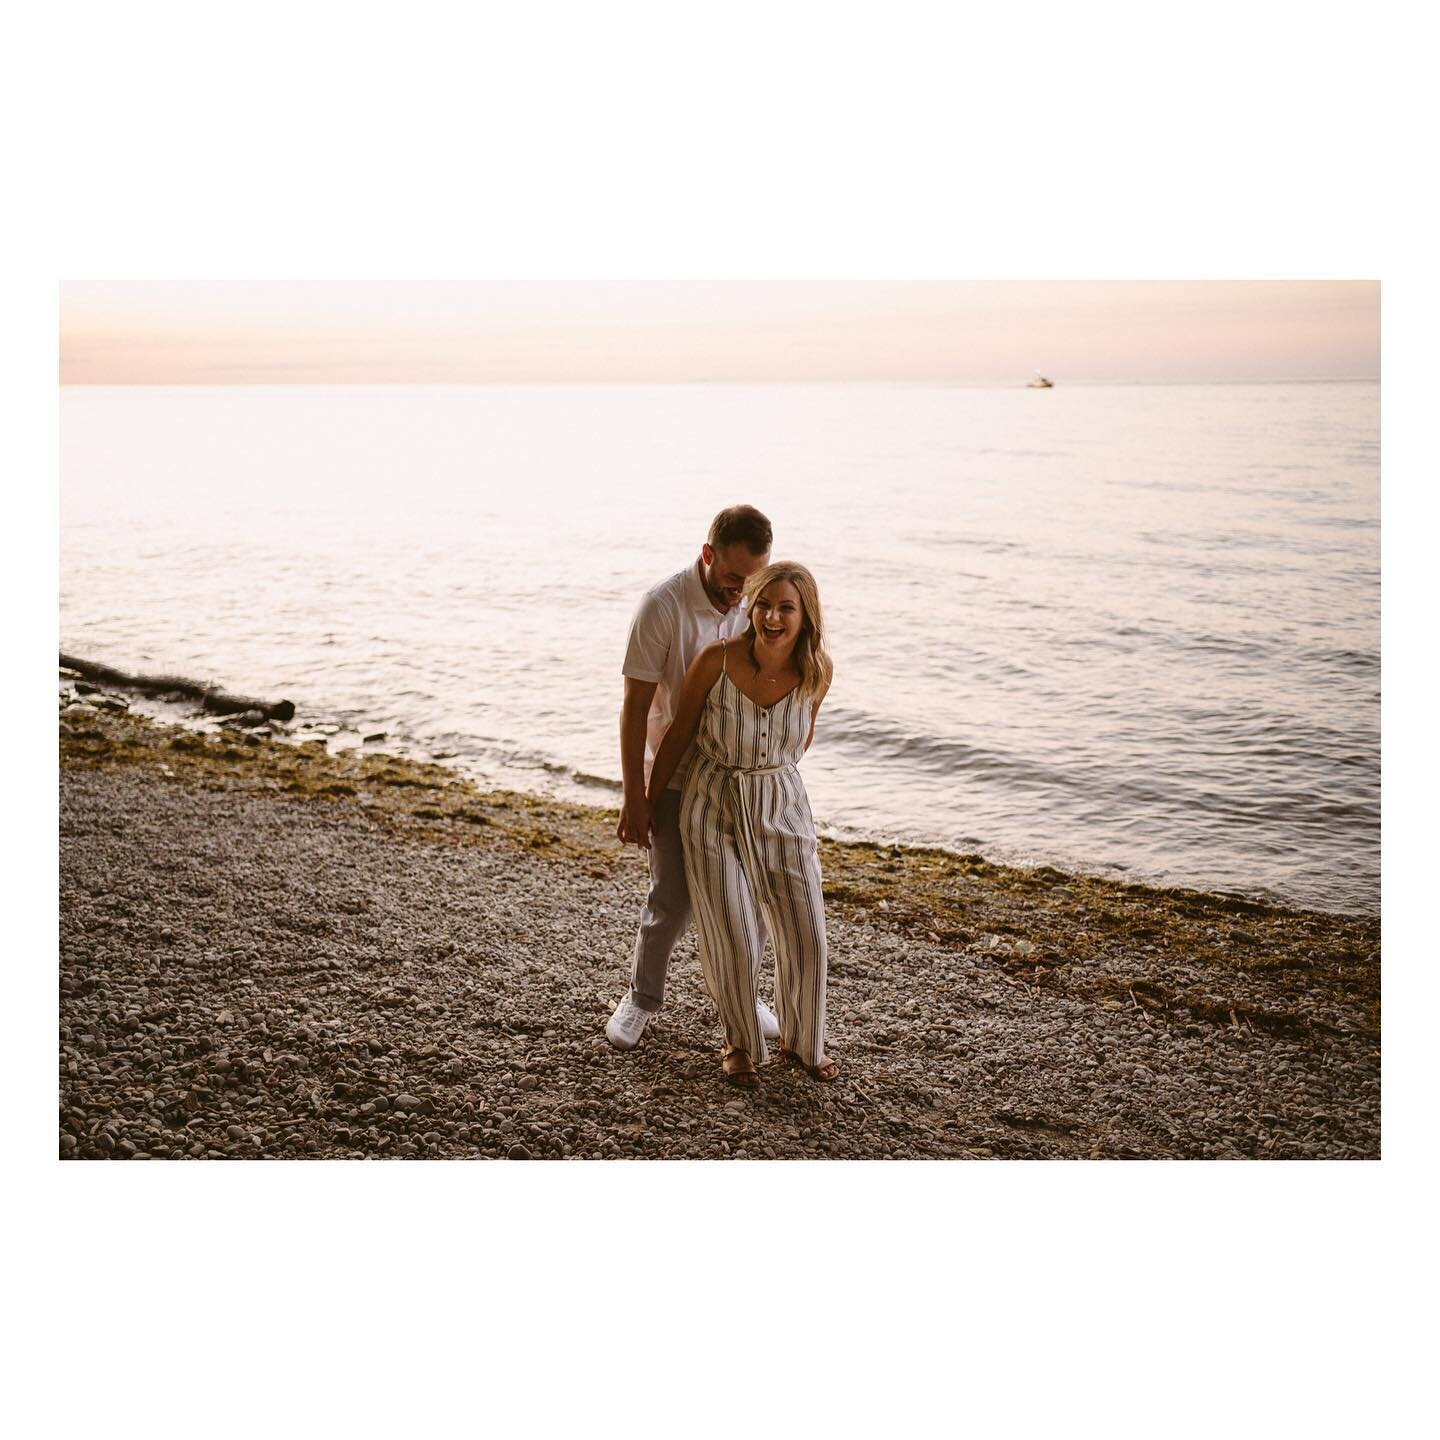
(968, 332)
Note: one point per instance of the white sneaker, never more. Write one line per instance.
(769, 1025)
(625, 1027)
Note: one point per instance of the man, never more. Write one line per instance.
(676, 620)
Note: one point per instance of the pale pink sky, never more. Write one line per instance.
(969, 332)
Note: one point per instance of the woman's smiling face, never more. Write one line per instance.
(778, 613)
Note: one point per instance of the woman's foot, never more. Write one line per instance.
(827, 1070)
(740, 1069)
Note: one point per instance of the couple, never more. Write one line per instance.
(720, 704)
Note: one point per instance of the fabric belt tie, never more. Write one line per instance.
(737, 780)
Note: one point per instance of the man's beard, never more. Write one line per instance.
(717, 595)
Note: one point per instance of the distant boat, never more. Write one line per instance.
(1040, 383)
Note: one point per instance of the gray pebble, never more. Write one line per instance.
(933, 1043)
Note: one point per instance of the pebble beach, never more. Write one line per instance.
(271, 952)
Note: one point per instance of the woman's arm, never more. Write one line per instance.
(814, 711)
(704, 671)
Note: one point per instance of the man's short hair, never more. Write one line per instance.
(741, 525)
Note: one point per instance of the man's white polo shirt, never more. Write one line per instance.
(672, 625)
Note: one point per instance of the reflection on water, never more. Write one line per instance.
(1122, 629)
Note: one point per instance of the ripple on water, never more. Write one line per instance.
(1147, 637)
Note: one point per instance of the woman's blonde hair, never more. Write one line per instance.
(812, 655)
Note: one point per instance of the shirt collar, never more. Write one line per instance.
(695, 591)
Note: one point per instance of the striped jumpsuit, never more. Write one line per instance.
(749, 841)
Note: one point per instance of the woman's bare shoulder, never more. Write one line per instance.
(707, 664)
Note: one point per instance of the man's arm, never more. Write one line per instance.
(635, 815)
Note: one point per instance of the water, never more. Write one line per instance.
(1128, 630)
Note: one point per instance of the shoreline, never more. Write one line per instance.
(461, 949)
(316, 737)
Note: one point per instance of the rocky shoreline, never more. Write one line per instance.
(270, 952)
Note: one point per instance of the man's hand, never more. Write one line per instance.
(637, 820)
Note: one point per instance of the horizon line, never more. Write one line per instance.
(993, 384)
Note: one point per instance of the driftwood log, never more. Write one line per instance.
(216, 701)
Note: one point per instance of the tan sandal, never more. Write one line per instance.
(826, 1071)
(740, 1069)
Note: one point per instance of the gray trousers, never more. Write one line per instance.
(666, 914)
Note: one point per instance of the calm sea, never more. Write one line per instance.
(1129, 630)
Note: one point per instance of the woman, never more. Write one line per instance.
(749, 706)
